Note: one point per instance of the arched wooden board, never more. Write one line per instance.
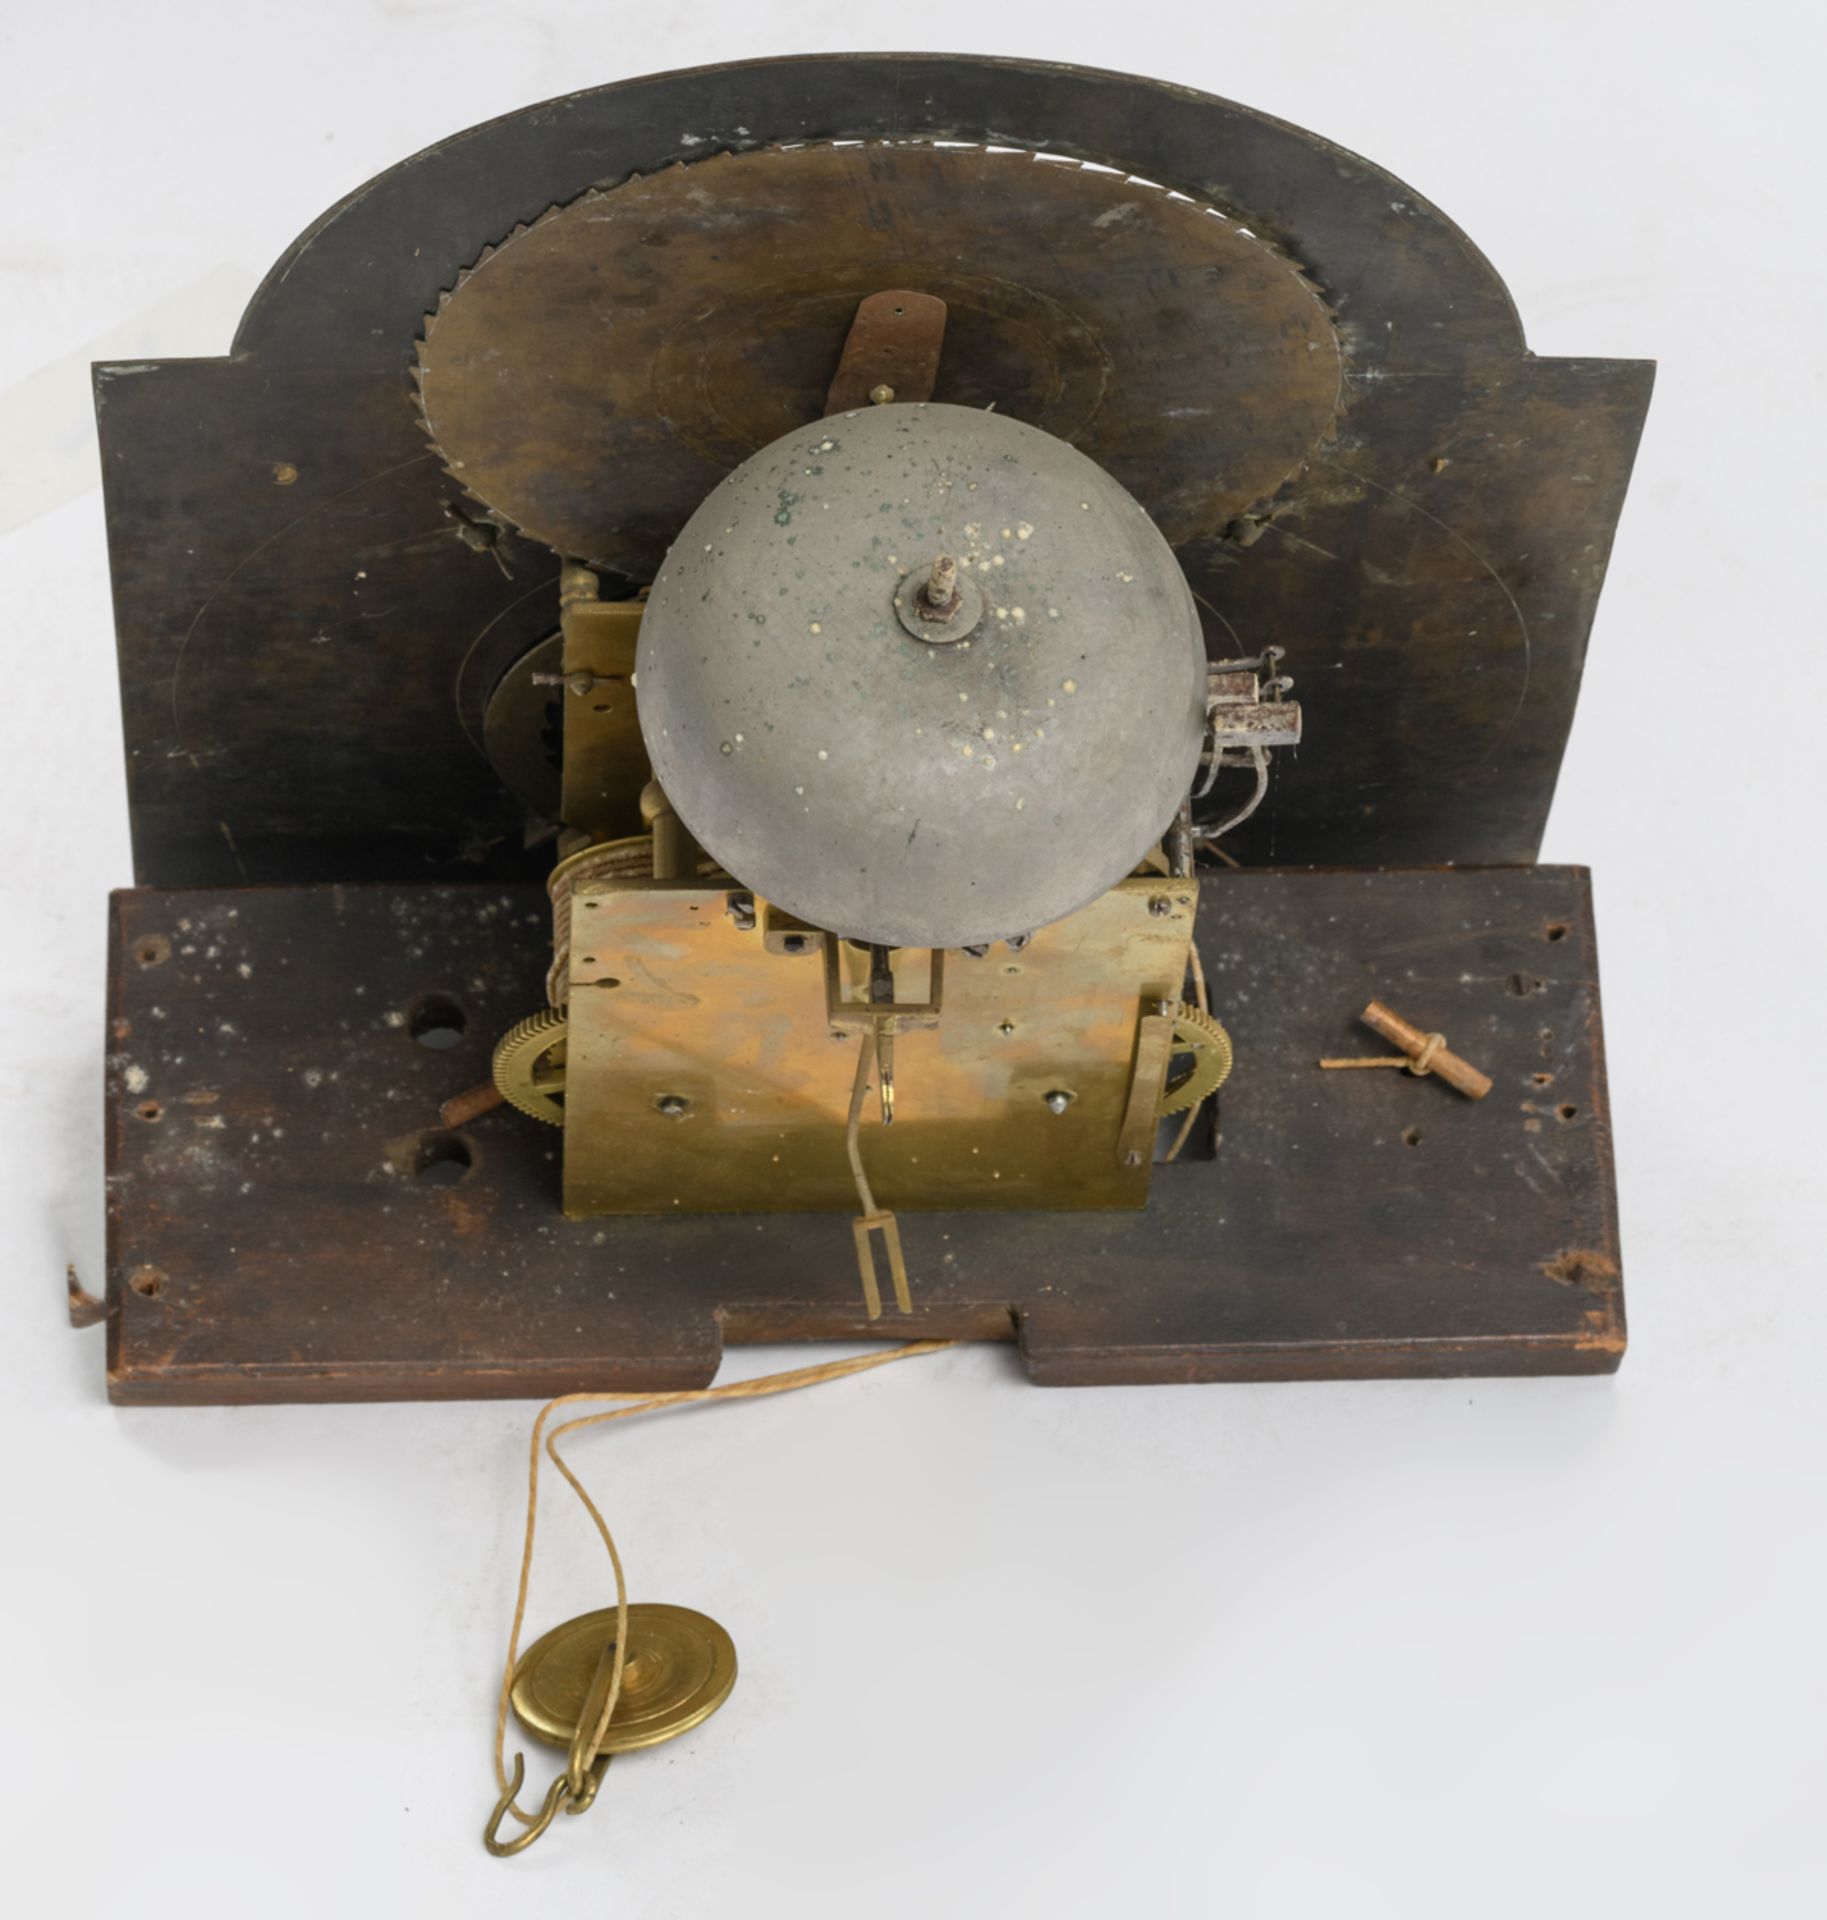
(310, 619)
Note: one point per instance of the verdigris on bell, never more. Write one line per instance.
(923, 676)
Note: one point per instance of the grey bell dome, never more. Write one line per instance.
(886, 772)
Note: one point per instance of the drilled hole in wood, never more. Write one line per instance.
(1558, 929)
(1566, 1113)
(1523, 984)
(436, 1158)
(148, 1282)
(435, 1020)
(1411, 1136)
(150, 1110)
(608, 980)
(1542, 1079)
(153, 951)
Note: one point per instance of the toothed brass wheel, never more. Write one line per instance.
(1187, 1083)
(530, 1065)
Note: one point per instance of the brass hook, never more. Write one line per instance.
(561, 1797)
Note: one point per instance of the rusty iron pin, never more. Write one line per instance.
(461, 1108)
(939, 599)
(1422, 1053)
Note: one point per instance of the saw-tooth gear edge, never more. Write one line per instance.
(526, 1075)
(1200, 1035)
(499, 517)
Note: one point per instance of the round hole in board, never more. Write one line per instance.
(153, 951)
(1566, 1113)
(147, 1282)
(435, 1158)
(1411, 1136)
(1558, 930)
(150, 1110)
(436, 1021)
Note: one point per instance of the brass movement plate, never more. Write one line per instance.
(679, 1669)
(703, 1076)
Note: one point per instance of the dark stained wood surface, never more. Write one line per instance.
(269, 1238)
(311, 620)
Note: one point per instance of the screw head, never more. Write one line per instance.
(672, 1105)
(1160, 906)
(1058, 1100)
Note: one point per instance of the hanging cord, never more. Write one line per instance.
(586, 1757)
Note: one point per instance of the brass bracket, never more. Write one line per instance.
(884, 1224)
(848, 1015)
(1154, 1049)
(891, 352)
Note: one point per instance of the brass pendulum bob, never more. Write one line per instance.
(677, 1669)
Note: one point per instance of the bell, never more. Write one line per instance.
(923, 676)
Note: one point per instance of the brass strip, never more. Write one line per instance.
(1154, 1048)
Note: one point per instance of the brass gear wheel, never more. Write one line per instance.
(716, 350)
(1210, 1046)
(530, 1065)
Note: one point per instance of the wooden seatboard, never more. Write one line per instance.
(267, 1102)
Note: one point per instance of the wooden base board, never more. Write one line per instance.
(269, 1240)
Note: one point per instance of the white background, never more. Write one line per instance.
(1404, 1649)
